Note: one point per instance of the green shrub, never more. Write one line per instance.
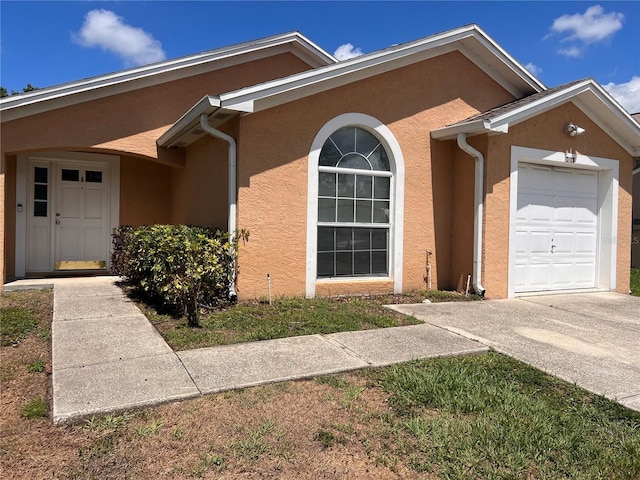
(181, 265)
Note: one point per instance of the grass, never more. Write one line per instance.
(493, 417)
(253, 321)
(36, 408)
(20, 314)
(635, 282)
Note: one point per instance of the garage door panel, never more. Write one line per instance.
(556, 228)
(535, 179)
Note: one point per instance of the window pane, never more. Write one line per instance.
(326, 210)
(365, 142)
(346, 184)
(94, 176)
(70, 175)
(325, 264)
(327, 185)
(363, 211)
(380, 212)
(344, 263)
(40, 192)
(345, 139)
(354, 160)
(363, 186)
(40, 209)
(41, 175)
(345, 210)
(325, 239)
(379, 263)
(344, 238)
(361, 263)
(381, 187)
(329, 155)
(379, 159)
(361, 238)
(379, 238)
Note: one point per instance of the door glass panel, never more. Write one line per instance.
(40, 209)
(40, 175)
(70, 175)
(94, 176)
(40, 192)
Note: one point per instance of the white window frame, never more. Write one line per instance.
(396, 215)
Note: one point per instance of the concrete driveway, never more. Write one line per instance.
(592, 339)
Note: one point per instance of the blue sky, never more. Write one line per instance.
(47, 43)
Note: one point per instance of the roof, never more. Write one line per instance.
(586, 94)
(50, 98)
(470, 40)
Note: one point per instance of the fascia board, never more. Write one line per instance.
(473, 127)
(41, 100)
(297, 86)
(188, 121)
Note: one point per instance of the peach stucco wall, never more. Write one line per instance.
(546, 132)
(128, 125)
(145, 192)
(200, 188)
(273, 150)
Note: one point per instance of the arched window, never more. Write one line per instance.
(354, 194)
(355, 210)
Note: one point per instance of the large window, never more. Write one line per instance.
(354, 205)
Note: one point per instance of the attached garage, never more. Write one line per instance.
(563, 220)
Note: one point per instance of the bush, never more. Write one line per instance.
(181, 265)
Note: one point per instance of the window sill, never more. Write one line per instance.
(354, 280)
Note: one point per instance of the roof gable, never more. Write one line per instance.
(586, 94)
(470, 40)
(58, 96)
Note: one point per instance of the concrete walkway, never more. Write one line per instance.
(108, 357)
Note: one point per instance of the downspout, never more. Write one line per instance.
(478, 206)
(232, 197)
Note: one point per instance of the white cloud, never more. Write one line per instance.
(571, 51)
(627, 94)
(105, 29)
(584, 29)
(533, 69)
(346, 51)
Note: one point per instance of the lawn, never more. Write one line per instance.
(485, 416)
(635, 282)
(251, 321)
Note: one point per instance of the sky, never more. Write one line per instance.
(53, 42)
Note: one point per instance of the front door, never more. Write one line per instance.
(81, 216)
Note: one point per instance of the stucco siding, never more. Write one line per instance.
(273, 150)
(145, 192)
(131, 122)
(200, 188)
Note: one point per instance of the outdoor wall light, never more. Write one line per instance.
(574, 130)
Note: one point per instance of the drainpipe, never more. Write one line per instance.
(478, 206)
(232, 198)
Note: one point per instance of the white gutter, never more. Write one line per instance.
(478, 206)
(232, 197)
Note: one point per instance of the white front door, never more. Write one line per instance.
(81, 216)
(556, 228)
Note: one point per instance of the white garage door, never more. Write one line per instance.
(556, 228)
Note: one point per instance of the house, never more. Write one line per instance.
(415, 166)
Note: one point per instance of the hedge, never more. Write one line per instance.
(180, 265)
